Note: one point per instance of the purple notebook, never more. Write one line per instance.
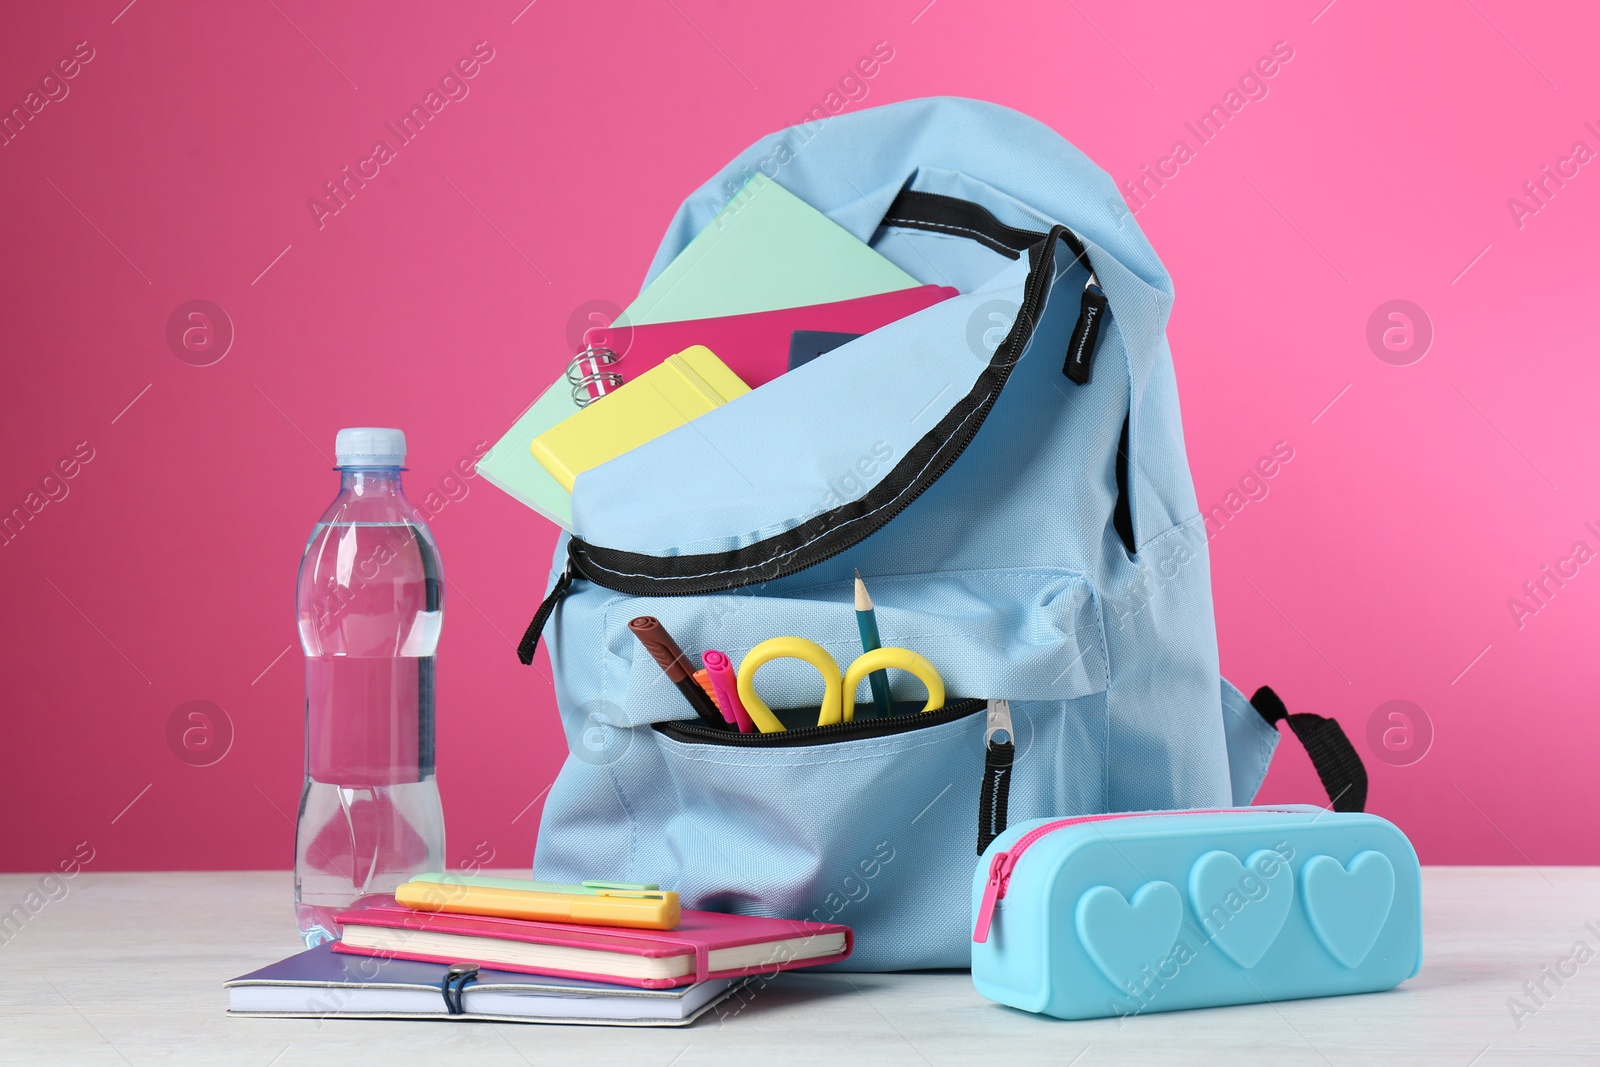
(321, 983)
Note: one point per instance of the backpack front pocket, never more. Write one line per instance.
(862, 822)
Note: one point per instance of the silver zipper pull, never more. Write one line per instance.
(999, 728)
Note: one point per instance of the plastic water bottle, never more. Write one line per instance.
(370, 602)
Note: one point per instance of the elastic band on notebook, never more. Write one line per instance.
(702, 961)
(455, 983)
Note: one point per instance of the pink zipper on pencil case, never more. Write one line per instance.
(1003, 863)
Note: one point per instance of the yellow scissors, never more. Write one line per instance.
(839, 696)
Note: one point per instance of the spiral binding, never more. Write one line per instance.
(589, 377)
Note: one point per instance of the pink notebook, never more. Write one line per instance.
(754, 346)
(705, 945)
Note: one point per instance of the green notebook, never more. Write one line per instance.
(766, 250)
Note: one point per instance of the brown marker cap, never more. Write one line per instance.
(662, 648)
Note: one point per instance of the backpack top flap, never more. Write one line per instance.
(956, 192)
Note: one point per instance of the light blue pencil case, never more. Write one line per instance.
(1114, 915)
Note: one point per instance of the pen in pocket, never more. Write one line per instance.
(679, 671)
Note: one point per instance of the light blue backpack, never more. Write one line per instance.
(1006, 469)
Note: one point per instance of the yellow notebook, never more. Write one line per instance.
(680, 388)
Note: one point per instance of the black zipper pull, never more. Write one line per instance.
(530, 637)
(1080, 351)
(1000, 751)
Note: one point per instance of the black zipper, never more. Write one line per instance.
(693, 733)
(825, 536)
(530, 636)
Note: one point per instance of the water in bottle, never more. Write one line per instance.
(370, 602)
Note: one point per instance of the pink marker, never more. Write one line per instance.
(727, 689)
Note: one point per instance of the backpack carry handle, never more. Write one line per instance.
(918, 210)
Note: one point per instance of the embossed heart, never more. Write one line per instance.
(1123, 937)
(1347, 907)
(1242, 907)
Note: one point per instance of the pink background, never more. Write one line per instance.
(1378, 566)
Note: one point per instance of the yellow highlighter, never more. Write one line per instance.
(641, 910)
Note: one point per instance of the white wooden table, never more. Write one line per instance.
(128, 969)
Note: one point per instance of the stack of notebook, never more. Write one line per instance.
(461, 951)
(767, 286)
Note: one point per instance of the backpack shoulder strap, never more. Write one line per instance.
(1334, 757)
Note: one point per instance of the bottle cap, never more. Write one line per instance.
(370, 446)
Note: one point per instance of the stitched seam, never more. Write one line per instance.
(605, 623)
(1105, 755)
(1022, 572)
(977, 235)
(627, 809)
(1016, 205)
(611, 771)
(1175, 528)
(1105, 647)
